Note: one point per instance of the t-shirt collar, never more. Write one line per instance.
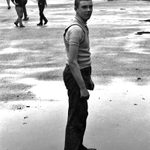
(80, 20)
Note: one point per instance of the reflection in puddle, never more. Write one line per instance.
(52, 90)
(55, 90)
(120, 107)
(46, 90)
(121, 86)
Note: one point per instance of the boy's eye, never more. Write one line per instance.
(85, 7)
(91, 7)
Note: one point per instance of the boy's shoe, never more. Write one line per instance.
(8, 7)
(46, 21)
(26, 19)
(16, 24)
(22, 26)
(84, 148)
(39, 24)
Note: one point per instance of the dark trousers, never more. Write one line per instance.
(25, 11)
(24, 8)
(77, 112)
(19, 11)
(41, 10)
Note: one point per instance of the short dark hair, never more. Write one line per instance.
(76, 3)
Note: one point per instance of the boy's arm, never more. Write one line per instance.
(75, 70)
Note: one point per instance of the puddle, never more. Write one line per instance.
(118, 86)
(120, 107)
(47, 90)
(55, 90)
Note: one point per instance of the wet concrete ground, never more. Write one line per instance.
(33, 99)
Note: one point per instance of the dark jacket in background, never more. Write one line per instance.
(18, 2)
(42, 2)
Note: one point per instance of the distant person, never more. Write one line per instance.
(77, 75)
(26, 18)
(19, 9)
(8, 4)
(41, 5)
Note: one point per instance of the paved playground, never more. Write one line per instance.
(33, 98)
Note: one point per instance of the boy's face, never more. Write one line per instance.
(85, 9)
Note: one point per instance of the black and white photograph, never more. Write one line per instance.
(74, 74)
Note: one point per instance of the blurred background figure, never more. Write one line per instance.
(41, 5)
(8, 4)
(19, 10)
(26, 18)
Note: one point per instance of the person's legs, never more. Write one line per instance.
(19, 11)
(77, 114)
(41, 14)
(43, 17)
(25, 11)
(17, 20)
(41, 8)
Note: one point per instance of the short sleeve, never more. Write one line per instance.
(75, 35)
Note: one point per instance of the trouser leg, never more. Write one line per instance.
(19, 11)
(25, 11)
(43, 17)
(41, 13)
(8, 3)
(41, 9)
(77, 115)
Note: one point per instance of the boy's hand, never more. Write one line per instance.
(84, 94)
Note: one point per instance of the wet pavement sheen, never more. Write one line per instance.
(33, 99)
